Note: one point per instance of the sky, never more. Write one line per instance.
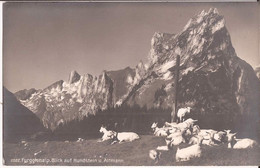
(44, 42)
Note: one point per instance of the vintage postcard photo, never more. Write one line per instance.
(131, 84)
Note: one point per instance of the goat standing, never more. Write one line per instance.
(182, 112)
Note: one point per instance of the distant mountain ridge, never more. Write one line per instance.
(214, 81)
(81, 95)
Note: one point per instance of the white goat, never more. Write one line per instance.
(182, 112)
(177, 141)
(190, 152)
(194, 139)
(195, 130)
(155, 155)
(173, 139)
(244, 143)
(175, 134)
(106, 134)
(186, 124)
(240, 143)
(206, 133)
(124, 137)
(80, 140)
(226, 136)
(172, 130)
(176, 138)
(162, 148)
(173, 124)
(209, 140)
(214, 138)
(227, 131)
(220, 136)
(158, 131)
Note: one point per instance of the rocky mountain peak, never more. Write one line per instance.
(203, 38)
(74, 77)
(105, 78)
(88, 76)
(160, 44)
(210, 17)
(212, 77)
(56, 85)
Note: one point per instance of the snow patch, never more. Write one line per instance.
(168, 87)
(146, 66)
(199, 19)
(84, 91)
(223, 46)
(96, 85)
(240, 79)
(104, 90)
(129, 79)
(119, 102)
(167, 76)
(33, 95)
(211, 57)
(164, 68)
(79, 100)
(198, 49)
(178, 50)
(187, 25)
(215, 11)
(194, 42)
(202, 13)
(219, 25)
(187, 70)
(202, 28)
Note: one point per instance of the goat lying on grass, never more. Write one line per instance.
(80, 140)
(235, 143)
(167, 124)
(190, 152)
(124, 137)
(158, 131)
(186, 124)
(106, 134)
(155, 155)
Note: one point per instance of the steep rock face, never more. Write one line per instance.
(213, 79)
(123, 80)
(160, 45)
(74, 77)
(18, 121)
(140, 71)
(24, 94)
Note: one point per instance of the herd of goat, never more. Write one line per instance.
(183, 132)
